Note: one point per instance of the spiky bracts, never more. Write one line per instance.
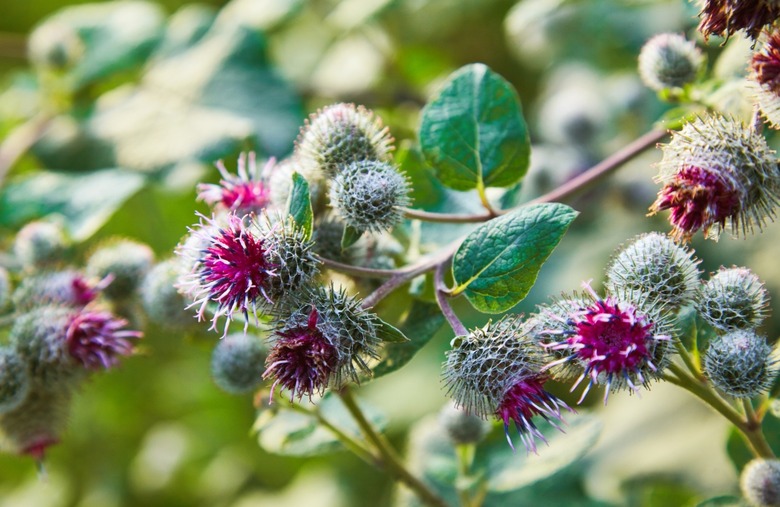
(230, 268)
(339, 135)
(717, 174)
(669, 61)
(497, 371)
(247, 192)
(732, 299)
(327, 340)
(654, 269)
(611, 341)
(740, 364)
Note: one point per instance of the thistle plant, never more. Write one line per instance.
(318, 260)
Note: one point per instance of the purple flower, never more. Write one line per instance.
(96, 339)
(613, 341)
(230, 267)
(245, 192)
(524, 400)
(302, 359)
(699, 198)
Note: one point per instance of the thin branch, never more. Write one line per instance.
(391, 460)
(452, 218)
(444, 303)
(349, 269)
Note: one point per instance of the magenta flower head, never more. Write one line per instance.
(324, 343)
(245, 192)
(496, 372)
(717, 174)
(611, 341)
(726, 17)
(230, 268)
(97, 339)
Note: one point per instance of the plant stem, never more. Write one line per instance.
(350, 443)
(356, 270)
(390, 459)
(444, 303)
(687, 359)
(751, 430)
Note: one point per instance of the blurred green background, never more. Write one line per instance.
(213, 78)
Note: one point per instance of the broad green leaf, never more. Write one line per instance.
(283, 430)
(497, 264)
(474, 133)
(420, 324)
(106, 38)
(350, 237)
(299, 204)
(722, 501)
(86, 201)
(390, 334)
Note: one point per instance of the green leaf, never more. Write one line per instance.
(86, 201)
(474, 133)
(722, 501)
(299, 204)
(497, 264)
(420, 324)
(350, 237)
(283, 430)
(390, 334)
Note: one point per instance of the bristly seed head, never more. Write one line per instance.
(717, 174)
(231, 267)
(247, 192)
(496, 371)
(727, 17)
(613, 342)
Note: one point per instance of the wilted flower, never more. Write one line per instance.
(765, 73)
(717, 174)
(726, 17)
(323, 343)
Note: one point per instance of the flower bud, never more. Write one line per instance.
(63, 288)
(37, 423)
(328, 232)
(125, 261)
(717, 174)
(760, 482)
(14, 380)
(732, 299)
(740, 364)
(291, 253)
(652, 269)
(497, 371)
(370, 195)
(341, 134)
(40, 243)
(163, 304)
(325, 342)
(237, 363)
(461, 426)
(668, 60)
